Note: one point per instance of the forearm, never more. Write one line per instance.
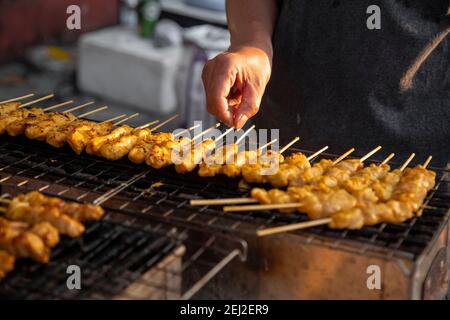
(251, 23)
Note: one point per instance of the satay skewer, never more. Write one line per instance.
(36, 101)
(17, 98)
(317, 153)
(126, 119)
(84, 105)
(92, 112)
(159, 125)
(59, 105)
(324, 221)
(186, 130)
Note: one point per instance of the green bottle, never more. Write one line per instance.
(149, 11)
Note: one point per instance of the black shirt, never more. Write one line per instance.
(335, 82)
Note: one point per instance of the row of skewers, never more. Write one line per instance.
(342, 193)
(31, 225)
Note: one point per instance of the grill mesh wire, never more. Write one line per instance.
(163, 196)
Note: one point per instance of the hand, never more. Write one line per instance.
(235, 82)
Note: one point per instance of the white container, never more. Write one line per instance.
(117, 64)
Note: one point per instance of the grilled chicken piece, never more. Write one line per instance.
(22, 244)
(7, 108)
(39, 130)
(160, 155)
(79, 137)
(44, 230)
(6, 263)
(139, 152)
(20, 210)
(116, 149)
(17, 116)
(80, 212)
(194, 156)
(57, 136)
(96, 143)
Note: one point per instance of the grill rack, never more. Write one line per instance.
(133, 190)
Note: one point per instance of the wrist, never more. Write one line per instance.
(262, 43)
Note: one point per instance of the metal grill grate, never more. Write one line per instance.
(163, 195)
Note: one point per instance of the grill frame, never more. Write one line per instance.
(169, 204)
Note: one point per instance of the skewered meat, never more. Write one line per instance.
(409, 194)
(38, 130)
(80, 212)
(21, 210)
(194, 156)
(79, 137)
(94, 145)
(7, 108)
(10, 121)
(57, 136)
(139, 152)
(6, 263)
(160, 155)
(22, 244)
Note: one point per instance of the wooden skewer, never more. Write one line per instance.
(57, 106)
(427, 162)
(238, 141)
(114, 119)
(367, 156)
(203, 202)
(17, 98)
(403, 167)
(164, 122)
(268, 144)
(290, 144)
(148, 124)
(292, 227)
(260, 207)
(206, 131)
(186, 130)
(36, 101)
(343, 156)
(126, 119)
(92, 112)
(224, 134)
(77, 107)
(389, 157)
(317, 153)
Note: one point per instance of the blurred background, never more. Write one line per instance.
(141, 56)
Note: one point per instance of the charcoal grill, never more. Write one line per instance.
(313, 263)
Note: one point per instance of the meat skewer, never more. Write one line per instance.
(17, 98)
(118, 148)
(329, 221)
(36, 101)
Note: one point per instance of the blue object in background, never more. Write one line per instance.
(217, 5)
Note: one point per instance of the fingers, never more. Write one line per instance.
(218, 79)
(248, 108)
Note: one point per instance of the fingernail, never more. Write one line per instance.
(241, 120)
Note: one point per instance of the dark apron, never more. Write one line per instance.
(337, 83)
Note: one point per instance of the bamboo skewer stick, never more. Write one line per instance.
(126, 119)
(317, 153)
(36, 101)
(403, 167)
(186, 130)
(148, 125)
(260, 207)
(163, 123)
(59, 105)
(342, 157)
(17, 98)
(368, 155)
(224, 134)
(427, 162)
(206, 202)
(268, 144)
(114, 119)
(293, 227)
(92, 112)
(239, 140)
(389, 157)
(75, 108)
(206, 131)
(290, 144)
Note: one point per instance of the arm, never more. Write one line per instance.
(236, 79)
